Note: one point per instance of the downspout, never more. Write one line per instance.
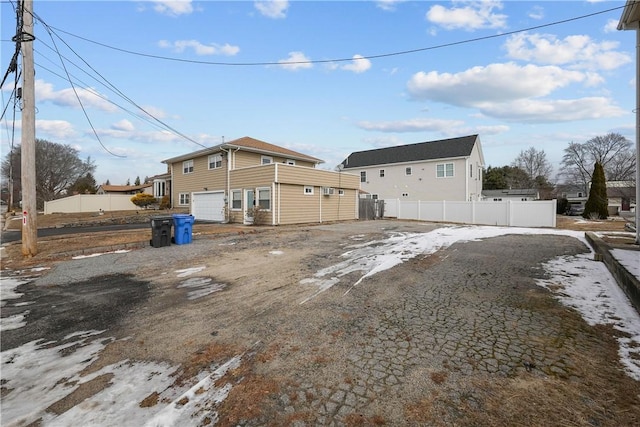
(227, 217)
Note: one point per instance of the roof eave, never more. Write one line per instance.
(630, 19)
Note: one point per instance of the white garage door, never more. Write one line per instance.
(208, 206)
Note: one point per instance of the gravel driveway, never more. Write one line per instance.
(458, 336)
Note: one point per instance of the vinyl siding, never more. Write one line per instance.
(297, 207)
(422, 184)
(200, 178)
(243, 159)
(303, 176)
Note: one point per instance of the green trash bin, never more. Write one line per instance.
(161, 231)
(183, 224)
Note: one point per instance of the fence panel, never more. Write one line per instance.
(537, 213)
(90, 203)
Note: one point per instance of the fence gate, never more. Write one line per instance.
(371, 208)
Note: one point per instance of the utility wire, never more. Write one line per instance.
(78, 98)
(320, 61)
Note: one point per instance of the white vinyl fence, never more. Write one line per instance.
(538, 213)
(91, 203)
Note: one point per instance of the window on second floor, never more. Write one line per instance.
(308, 190)
(381, 173)
(444, 170)
(215, 161)
(290, 162)
(266, 160)
(408, 171)
(363, 176)
(187, 166)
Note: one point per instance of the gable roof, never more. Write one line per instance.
(430, 150)
(247, 144)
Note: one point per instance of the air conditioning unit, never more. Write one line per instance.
(327, 191)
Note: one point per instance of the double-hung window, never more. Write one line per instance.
(264, 198)
(215, 161)
(444, 170)
(363, 176)
(187, 166)
(236, 200)
(184, 199)
(408, 171)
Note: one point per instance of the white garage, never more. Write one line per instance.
(208, 205)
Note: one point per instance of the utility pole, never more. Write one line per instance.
(28, 145)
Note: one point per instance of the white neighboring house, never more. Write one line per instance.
(446, 169)
(520, 195)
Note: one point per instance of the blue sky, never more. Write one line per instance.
(325, 78)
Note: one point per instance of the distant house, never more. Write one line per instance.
(574, 193)
(522, 195)
(161, 185)
(621, 196)
(228, 182)
(125, 189)
(447, 169)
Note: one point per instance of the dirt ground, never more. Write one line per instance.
(62, 246)
(463, 337)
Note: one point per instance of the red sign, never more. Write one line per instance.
(24, 217)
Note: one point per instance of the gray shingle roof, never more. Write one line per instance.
(430, 150)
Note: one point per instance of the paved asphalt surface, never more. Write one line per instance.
(16, 235)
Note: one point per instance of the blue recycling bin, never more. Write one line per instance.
(183, 226)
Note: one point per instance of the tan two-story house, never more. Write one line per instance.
(446, 169)
(230, 181)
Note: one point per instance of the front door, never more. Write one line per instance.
(249, 203)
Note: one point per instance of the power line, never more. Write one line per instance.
(321, 61)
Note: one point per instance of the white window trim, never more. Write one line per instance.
(217, 158)
(363, 176)
(182, 196)
(444, 170)
(408, 171)
(381, 173)
(186, 165)
(231, 206)
(340, 192)
(266, 160)
(257, 198)
(308, 187)
(290, 162)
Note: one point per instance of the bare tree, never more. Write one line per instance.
(613, 151)
(535, 164)
(58, 167)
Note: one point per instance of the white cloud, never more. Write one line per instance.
(173, 7)
(536, 12)
(200, 49)
(550, 111)
(55, 129)
(611, 26)
(468, 15)
(295, 61)
(388, 5)
(69, 98)
(276, 9)
(578, 51)
(359, 64)
(123, 125)
(411, 125)
(491, 130)
(492, 83)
